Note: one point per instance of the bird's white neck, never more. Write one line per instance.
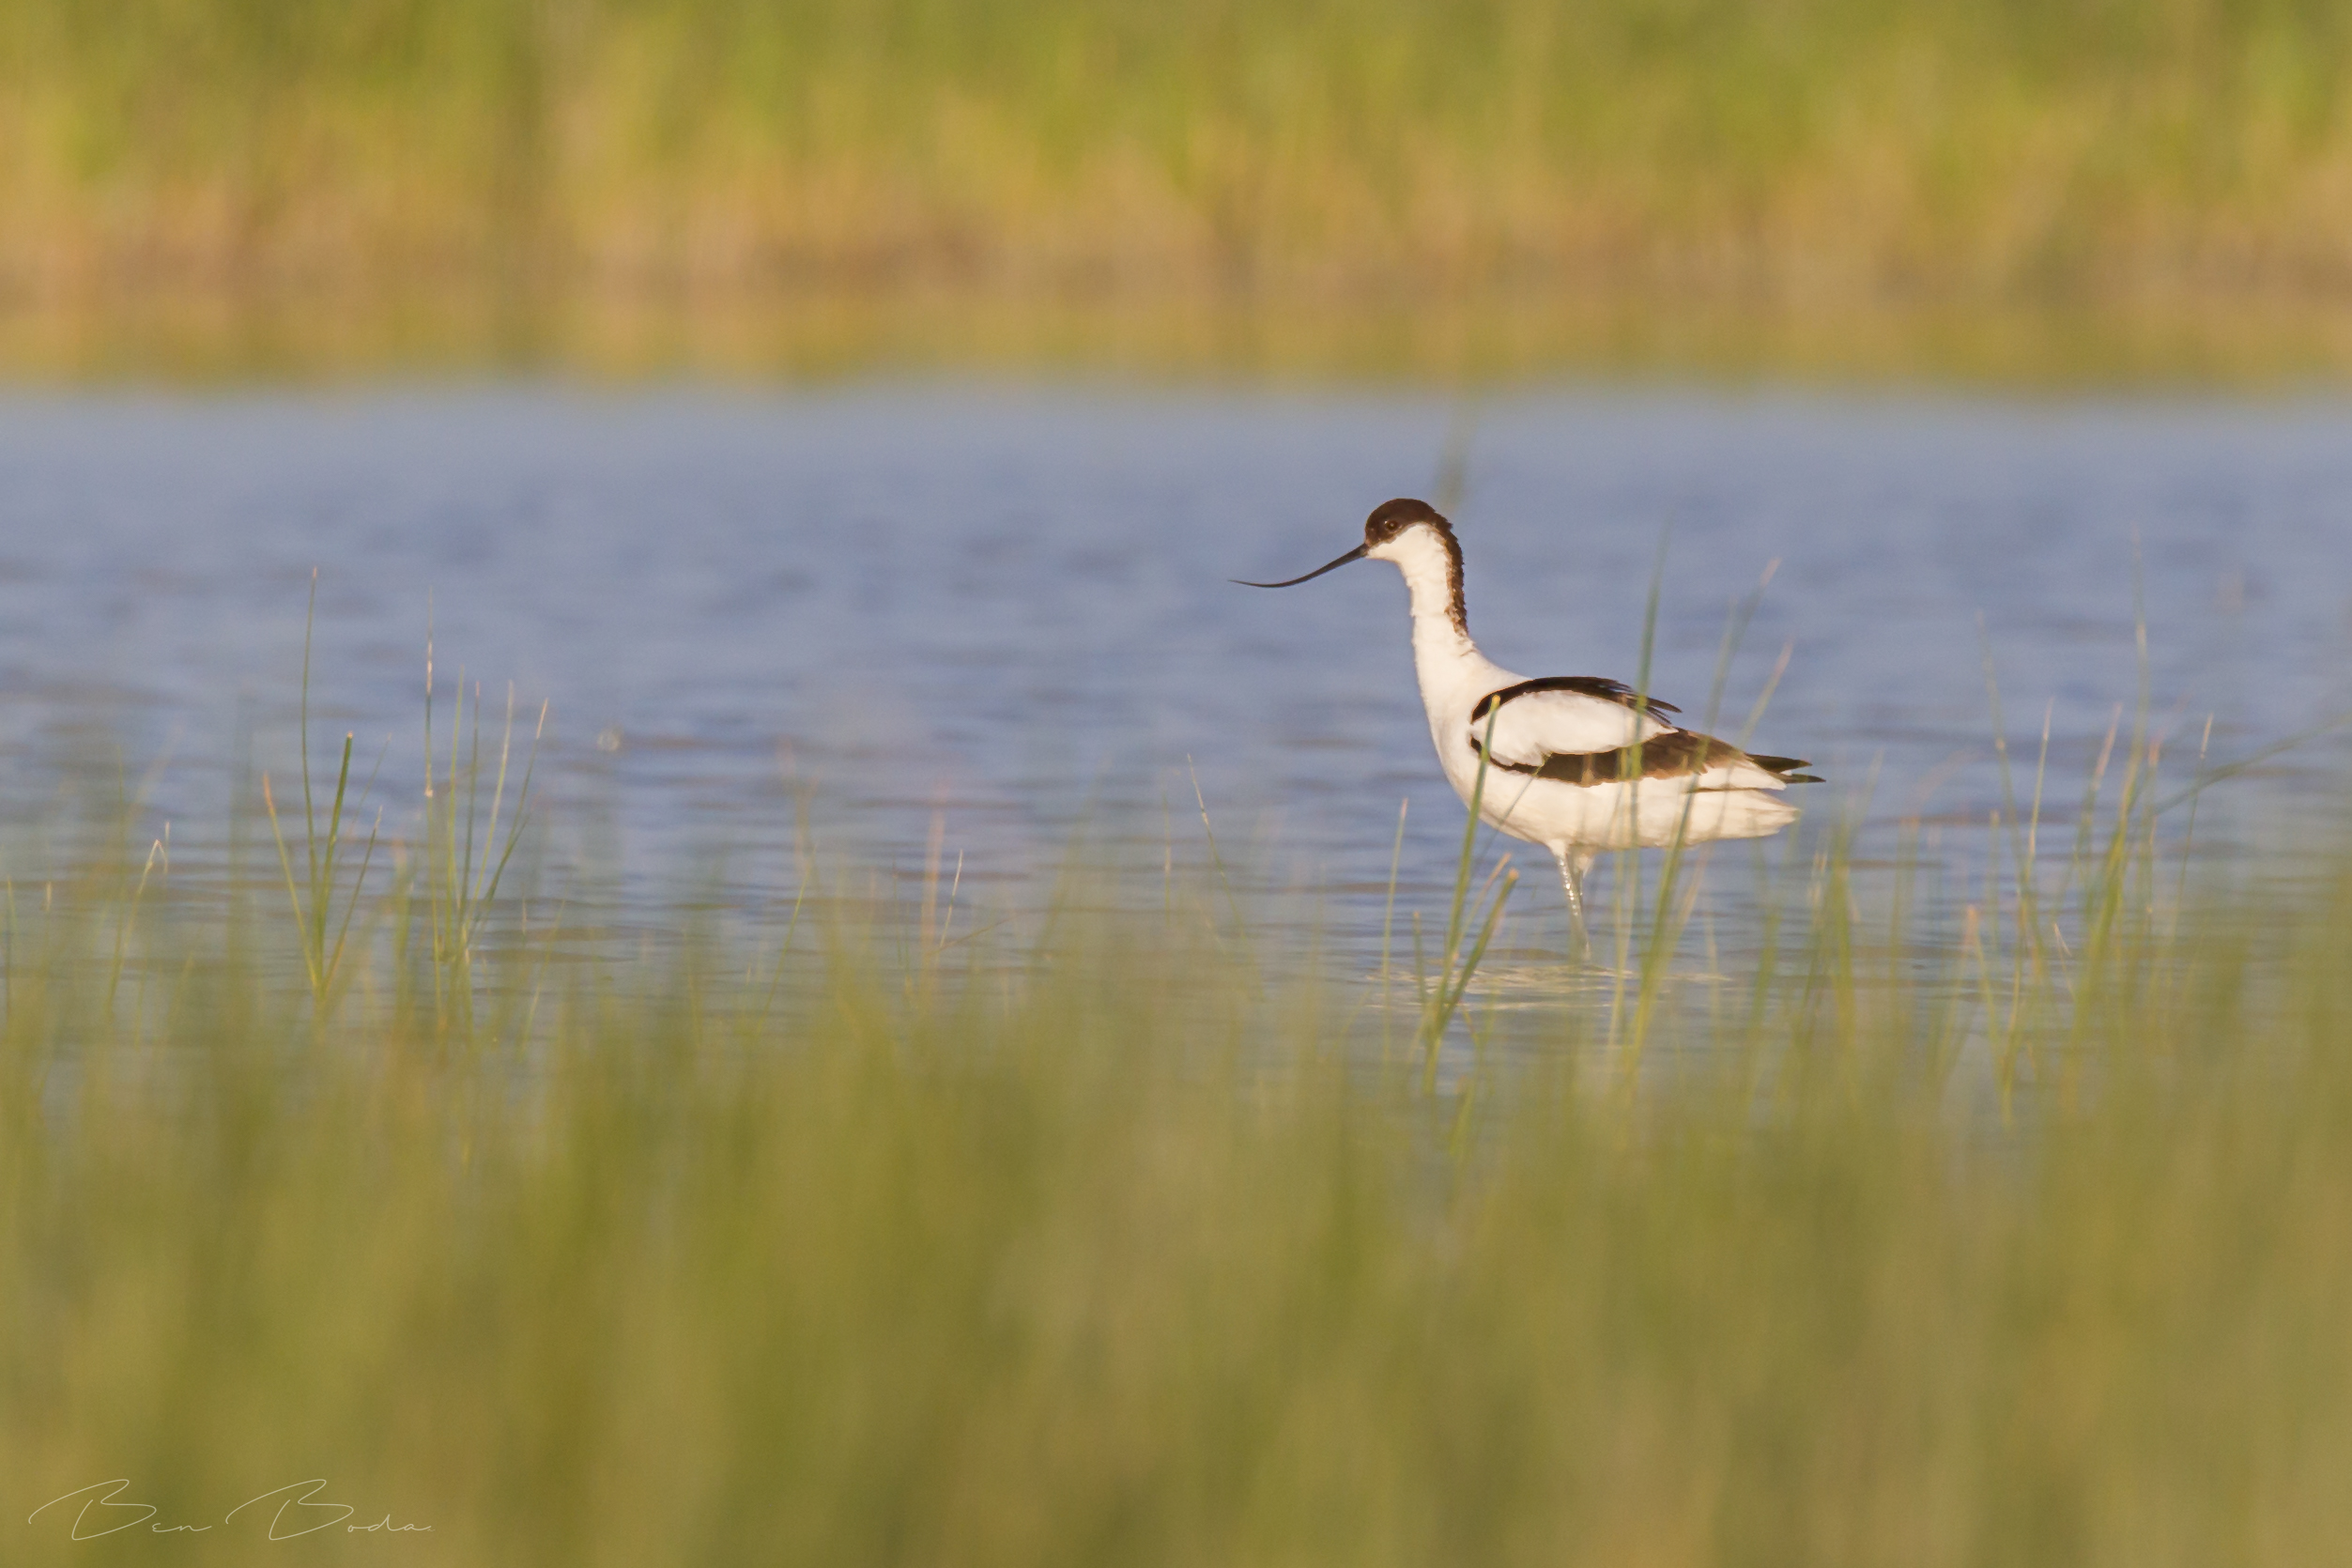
(1434, 580)
(1444, 658)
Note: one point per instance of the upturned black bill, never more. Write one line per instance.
(1355, 554)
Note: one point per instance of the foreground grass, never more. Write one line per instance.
(1108, 1246)
(1821, 150)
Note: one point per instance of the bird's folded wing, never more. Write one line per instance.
(1539, 724)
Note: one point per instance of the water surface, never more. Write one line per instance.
(1010, 609)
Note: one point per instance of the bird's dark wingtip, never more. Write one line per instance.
(1789, 769)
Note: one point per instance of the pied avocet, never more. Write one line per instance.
(1576, 763)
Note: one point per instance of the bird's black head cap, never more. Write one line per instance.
(1393, 517)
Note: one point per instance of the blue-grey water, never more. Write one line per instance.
(1007, 610)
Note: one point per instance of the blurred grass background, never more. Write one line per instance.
(1120, 1260)
(2012, 1234)
(622, 180)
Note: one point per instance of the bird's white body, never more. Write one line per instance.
(1576, 763)
(1735, 798)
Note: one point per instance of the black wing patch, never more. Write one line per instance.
(1672, 754)
(1584, 685)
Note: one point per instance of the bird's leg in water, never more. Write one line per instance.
(1572, 869)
